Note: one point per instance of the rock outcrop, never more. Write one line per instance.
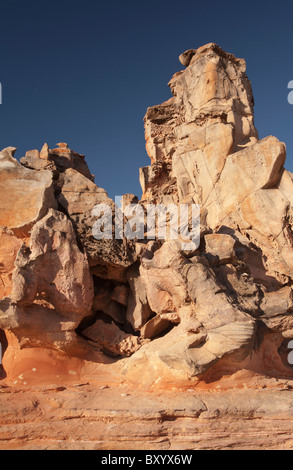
(178, 420)
(25, 196)
(52, 266)
(204, 149)
(52, 287)
(175, 316)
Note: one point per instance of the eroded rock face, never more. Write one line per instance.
(204, 149)
(209, 117)
(25, 195)
(210, 325)
(9, 246)
(179, 315)
(78, 198)
(52, 287)
(59, 160)
(54, 269)
(50, 259)
(109, 338)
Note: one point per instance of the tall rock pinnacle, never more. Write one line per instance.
(209, 117)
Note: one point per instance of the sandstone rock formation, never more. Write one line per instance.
(204, 149)
(59, 159)
(25, 196)
(52, 288)
(86, 417)
(175, 316)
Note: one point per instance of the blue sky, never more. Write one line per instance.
(85, 72)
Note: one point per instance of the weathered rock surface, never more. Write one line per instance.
(199, 318)
(123, 419)
(9, 246)
(111, 339)
(59, 159)
(78, 198)
(138, 308)
(25, 195)
(54, 269)
(210, 116)
(204, 149)
(52, 287)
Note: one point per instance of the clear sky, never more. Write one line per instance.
(84, 72)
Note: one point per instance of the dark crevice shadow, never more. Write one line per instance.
(4, 345)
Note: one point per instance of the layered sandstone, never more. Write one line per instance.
(85, 417)
(150, 314)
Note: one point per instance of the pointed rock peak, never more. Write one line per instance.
(8, 153)
(186, 57)
(191, 55)
(45, 152)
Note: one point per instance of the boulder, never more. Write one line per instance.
(109, 338)
(52, 288)
(54, 268)
(120, 294)
(220, 248)
(25, 195)
(138, 309)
